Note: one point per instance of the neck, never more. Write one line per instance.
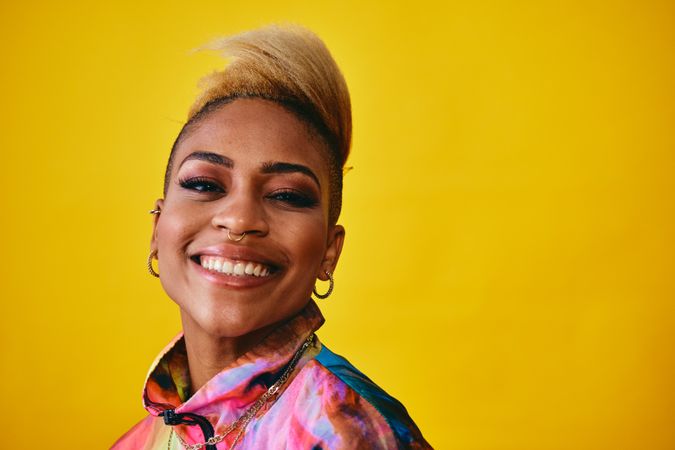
(208, 355)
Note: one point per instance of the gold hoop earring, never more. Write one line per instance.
(330, 286)
(150, 258)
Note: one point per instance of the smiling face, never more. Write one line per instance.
(251, 167)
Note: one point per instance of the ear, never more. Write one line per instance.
(336, 237)
(159, 204)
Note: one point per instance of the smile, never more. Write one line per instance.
(233, 267)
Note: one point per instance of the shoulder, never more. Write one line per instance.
(356, 406)
(142, 435)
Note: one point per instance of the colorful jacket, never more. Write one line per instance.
(325, 404)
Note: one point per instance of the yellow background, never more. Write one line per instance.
(508, 270)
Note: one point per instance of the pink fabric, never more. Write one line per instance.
(316, 408)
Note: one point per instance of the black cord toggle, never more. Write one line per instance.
(171, 417)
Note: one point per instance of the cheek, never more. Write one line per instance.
(307, 239)
(174, 232)
(176, 223)
(168, 234)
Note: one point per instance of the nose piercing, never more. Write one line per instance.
(241, 236)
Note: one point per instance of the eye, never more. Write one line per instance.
(293, 198)
(201, 184)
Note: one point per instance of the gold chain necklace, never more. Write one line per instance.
(245, 418)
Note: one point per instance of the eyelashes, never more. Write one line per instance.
(201, 184)
(293, 198)
(286, 197)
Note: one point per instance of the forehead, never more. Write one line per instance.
(254, 131)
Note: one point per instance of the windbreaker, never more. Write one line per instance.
(325, 404)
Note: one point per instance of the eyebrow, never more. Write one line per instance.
(211, 157)
(284, 167)
(268, 167)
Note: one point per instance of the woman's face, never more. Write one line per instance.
(250, 166)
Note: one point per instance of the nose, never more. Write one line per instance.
(241, 212)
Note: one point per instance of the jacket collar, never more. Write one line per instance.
(225, 396)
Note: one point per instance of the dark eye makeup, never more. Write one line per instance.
(201, 184)
(291, 198)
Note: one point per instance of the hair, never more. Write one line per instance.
(291, 66)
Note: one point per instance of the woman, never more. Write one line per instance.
(252, 195)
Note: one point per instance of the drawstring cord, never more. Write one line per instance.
(173, 418)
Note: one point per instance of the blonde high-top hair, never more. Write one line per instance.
(291, 66)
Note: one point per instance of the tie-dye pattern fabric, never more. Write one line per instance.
(326, 404)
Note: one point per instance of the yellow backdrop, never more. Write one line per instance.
(508, 270)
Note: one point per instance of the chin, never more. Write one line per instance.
(234, 322)
(239, 313)
(226, 322)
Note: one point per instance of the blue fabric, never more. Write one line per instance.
(391, 409)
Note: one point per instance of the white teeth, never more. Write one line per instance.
(227, 267)
(238, 268)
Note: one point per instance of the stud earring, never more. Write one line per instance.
(150, 258)
(330, 286)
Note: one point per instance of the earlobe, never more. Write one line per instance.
(156, 212)
(336, 237)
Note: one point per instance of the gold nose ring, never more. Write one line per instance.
(241, 236)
